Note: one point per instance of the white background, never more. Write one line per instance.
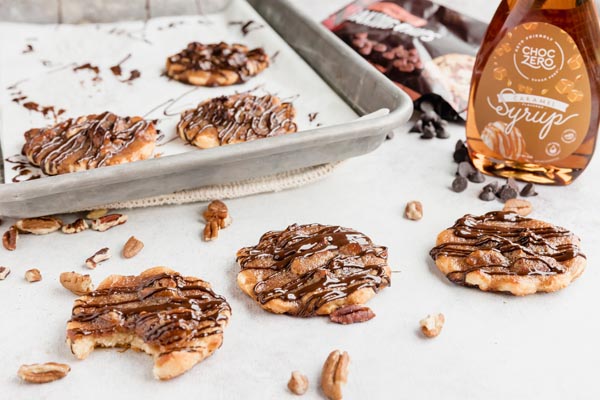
(492, 346)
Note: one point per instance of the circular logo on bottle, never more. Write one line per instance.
(538, 57)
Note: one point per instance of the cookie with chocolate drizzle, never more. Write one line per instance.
(308, 270)
(216, 64)
(504, 252)
(90, 141)
(178, 320)
(235, 119)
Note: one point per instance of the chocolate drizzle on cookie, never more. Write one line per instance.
(218, 60)
(88, 142)
(504, 243)
(237, 118)
(164, 310)
(311, 265)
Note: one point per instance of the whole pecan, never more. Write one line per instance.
(352, 314)
(39, 226)
(132, 247)
(335, 374)
(43, 373)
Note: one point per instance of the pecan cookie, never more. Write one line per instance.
(217, 64)
(308, 270)
(237, 118)
(178, 320)
(504, 252)
(88, 142)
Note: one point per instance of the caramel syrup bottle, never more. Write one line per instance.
(534, 106)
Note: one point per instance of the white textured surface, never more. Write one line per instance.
(492, 347)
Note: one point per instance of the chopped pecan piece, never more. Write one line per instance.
(76, 283)
(108, 221)
(33, 275)
(431, 326)
(9, 239)
(335, 374)
(298, 383)
(43, 373)
(75, 227)
(352, 314)
(519, 206)
(39, 226)
(95, 214)
(413, 210)
(99, 256)
(4, 272)
(132, 247)
(217, 217)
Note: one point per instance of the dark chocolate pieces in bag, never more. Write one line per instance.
(423, 47)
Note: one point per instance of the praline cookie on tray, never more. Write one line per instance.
(237, 118)
(314, 269)
(504, 252)
(178, 320)
(90, 141)
(216, 64)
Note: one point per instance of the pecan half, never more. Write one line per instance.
(95, 214)
(132, 247)
(335, 374)
(76, 283)
(78, 226)
(432, 325)
(43, 373)
(33, 275)
(99, 256)
(4, 272)
(298, 383)
(39, 226)
(9, 239)
(414, 210)
(108, 221)
(519, 206)
(352, 314)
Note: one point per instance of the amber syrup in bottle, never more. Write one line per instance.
(534, 103)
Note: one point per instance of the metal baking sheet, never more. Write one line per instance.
(349, 75)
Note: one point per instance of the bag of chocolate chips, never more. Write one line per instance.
(426, 49)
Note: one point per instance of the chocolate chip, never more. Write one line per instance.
(459, 184)
(513, 184)
(465, 169)
(476, 177)
(460, 152)
(507, 192)
(442, 133)
(491, 187)
(486, 195)
(417, 127)
(529, 190)
(428, 132)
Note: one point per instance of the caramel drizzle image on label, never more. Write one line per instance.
(85, 142)
(220, 56)
(517, 249)
(164, 310)
(337, 277)
(239, 118)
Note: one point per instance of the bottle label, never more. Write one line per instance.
(533, 101)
